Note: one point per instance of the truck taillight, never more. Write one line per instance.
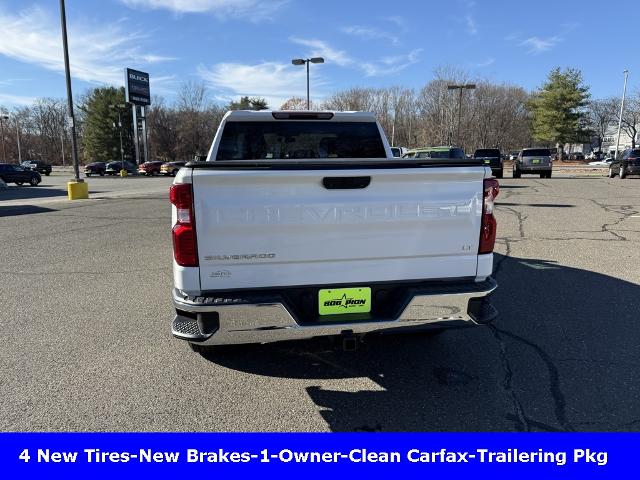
(488, 225)
(185, 250)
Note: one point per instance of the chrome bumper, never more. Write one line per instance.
(220, 321)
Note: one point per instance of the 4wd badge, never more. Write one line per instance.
(344, 300)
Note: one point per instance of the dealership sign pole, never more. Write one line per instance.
(136, 84)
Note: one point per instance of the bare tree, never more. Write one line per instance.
(191, 104)
(297, 103)
(601, 113)
(631, 116)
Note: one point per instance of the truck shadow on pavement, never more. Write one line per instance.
(13, 192)
(564, 355)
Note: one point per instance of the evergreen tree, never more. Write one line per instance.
(249, 103)
(558, 108)
(101, 135)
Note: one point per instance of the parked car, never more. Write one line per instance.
(576, 156)
(626, 164)
(513, 155)
(492, 158)
(398, 152)
(113, 168)
(318, 249)
(533, 161)
(95, 168)
(19, 175)
(171, 168)
(37, 165)
(150, 168)
(435, 152)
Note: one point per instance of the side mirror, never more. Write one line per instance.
(200, 158)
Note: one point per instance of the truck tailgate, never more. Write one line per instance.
(263, 228)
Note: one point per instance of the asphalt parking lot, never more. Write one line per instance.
(86, 344)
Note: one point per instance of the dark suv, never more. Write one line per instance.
(37, 165)
(18, 174)
(628, 164)
(492, 158)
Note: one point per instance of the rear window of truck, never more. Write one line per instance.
(283, 140)
(537, 152)
(487, 153)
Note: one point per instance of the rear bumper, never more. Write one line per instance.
(264, 318)
(534, 168)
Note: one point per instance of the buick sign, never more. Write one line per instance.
(137, 87)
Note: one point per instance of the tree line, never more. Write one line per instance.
(491, 115)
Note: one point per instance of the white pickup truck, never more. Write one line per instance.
(301, 224)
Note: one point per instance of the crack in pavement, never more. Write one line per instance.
(521, 421)
(554, 378)
(625, 210)
(519, 215)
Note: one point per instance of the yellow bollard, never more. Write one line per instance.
(123, 173)
(77, 190)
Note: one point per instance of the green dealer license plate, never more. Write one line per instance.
(344, 300)
(537, 160)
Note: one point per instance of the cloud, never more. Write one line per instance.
(392, 64)
(15, 100)
(472, 29)
(485, 63)
(274, 81)
(370, 33)
(371, 68)
(97, 53)
(397, 20)
(538, 45)
(254, 10)
(319, 48)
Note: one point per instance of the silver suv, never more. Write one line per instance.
(534, 161)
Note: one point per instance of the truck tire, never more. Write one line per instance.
(623, 173)
(19, 183)
(47, 173)
(33, 182)
(611, 174)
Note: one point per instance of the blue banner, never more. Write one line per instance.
(314, 455)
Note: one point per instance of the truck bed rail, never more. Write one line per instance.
(335, 164)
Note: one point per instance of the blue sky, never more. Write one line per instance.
(244, 47)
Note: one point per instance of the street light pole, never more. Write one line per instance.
(624, 92)
(62, 148)
(466, 86)
(303, 61)
(120, 107)
(4, 151)
(18, 140)
(67, 72)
